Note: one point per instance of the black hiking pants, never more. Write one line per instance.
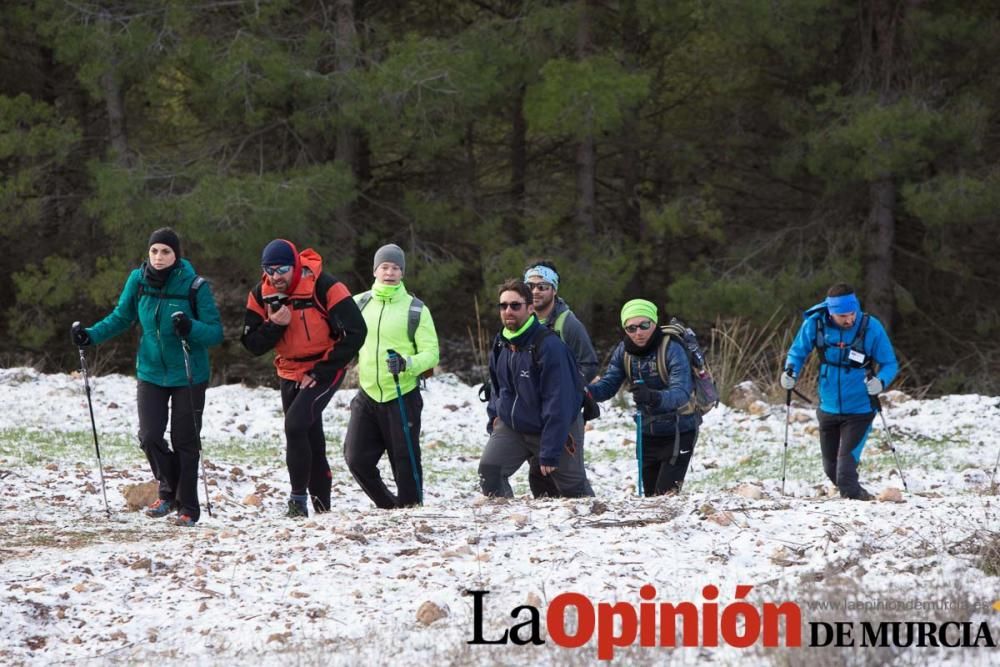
(665, 461)
(376, 429)
(841, 440)
(305, 443)
(175, 469)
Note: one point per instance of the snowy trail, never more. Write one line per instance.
(248, 585)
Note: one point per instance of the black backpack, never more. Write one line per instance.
(705, 395)
(191, 296)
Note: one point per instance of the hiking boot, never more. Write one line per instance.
(183, 520)
(862, 495)
(160, 508)
(321, 505)
(297, 507)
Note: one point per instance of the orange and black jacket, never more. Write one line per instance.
(326, 331)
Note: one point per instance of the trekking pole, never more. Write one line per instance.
(406, 433)
(788, 419)
(876, 404)
(93, 426)
(996, 465)
(194, 417)
(638, 444)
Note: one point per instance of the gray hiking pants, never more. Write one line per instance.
(507, 450)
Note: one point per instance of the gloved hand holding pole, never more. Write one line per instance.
(396, 364)
(638, 441)
(183, 322)
(81, 338)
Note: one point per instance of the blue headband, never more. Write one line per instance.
(842, 305)
(545, 273)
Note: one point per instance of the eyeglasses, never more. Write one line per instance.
(540, 287)
(644, 326)
(513, 305)
(277, 270)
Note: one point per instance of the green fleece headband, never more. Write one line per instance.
(638, 308)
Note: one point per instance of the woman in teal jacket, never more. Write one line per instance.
(170, 302)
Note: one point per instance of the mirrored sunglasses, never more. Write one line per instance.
(277, 270)
(644, 326)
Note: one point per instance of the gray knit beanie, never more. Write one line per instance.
(390, 253)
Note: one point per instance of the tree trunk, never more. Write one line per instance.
(114, 104)
(346, 151)
(586, 164)
(631, 160)
(518, 153)
(879, 294)
(882, 61)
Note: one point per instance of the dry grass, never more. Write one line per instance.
(739, 350)
(989, 552)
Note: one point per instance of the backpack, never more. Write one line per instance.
(412, 323)
(705, 395)
(412, 317)
(857, 346)
(192, 295)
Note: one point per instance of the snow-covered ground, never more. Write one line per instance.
(249, 586)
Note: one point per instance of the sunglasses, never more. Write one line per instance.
(644, 326)
(540, 287)
(277, 270)
(513, 305)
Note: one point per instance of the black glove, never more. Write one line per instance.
(321, 375)
(395, 363)
(79, 335)
(591, 410)
(643, 395)
(182, 324)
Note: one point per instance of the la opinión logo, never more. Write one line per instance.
(573, 619)
(652, 624)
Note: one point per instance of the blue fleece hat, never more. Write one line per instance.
(278, 252)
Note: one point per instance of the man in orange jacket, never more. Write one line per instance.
(315, 328)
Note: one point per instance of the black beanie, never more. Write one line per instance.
(167, 237)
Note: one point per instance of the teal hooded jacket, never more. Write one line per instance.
(160, 359)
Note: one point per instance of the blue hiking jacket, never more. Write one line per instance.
(841, 386)
(543, 399)
(676, 393)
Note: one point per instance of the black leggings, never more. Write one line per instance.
(376, 429)
(305, 449)
(842, 439)
(659, 475)
(176, 470)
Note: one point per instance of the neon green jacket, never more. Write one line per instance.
(387, 321)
